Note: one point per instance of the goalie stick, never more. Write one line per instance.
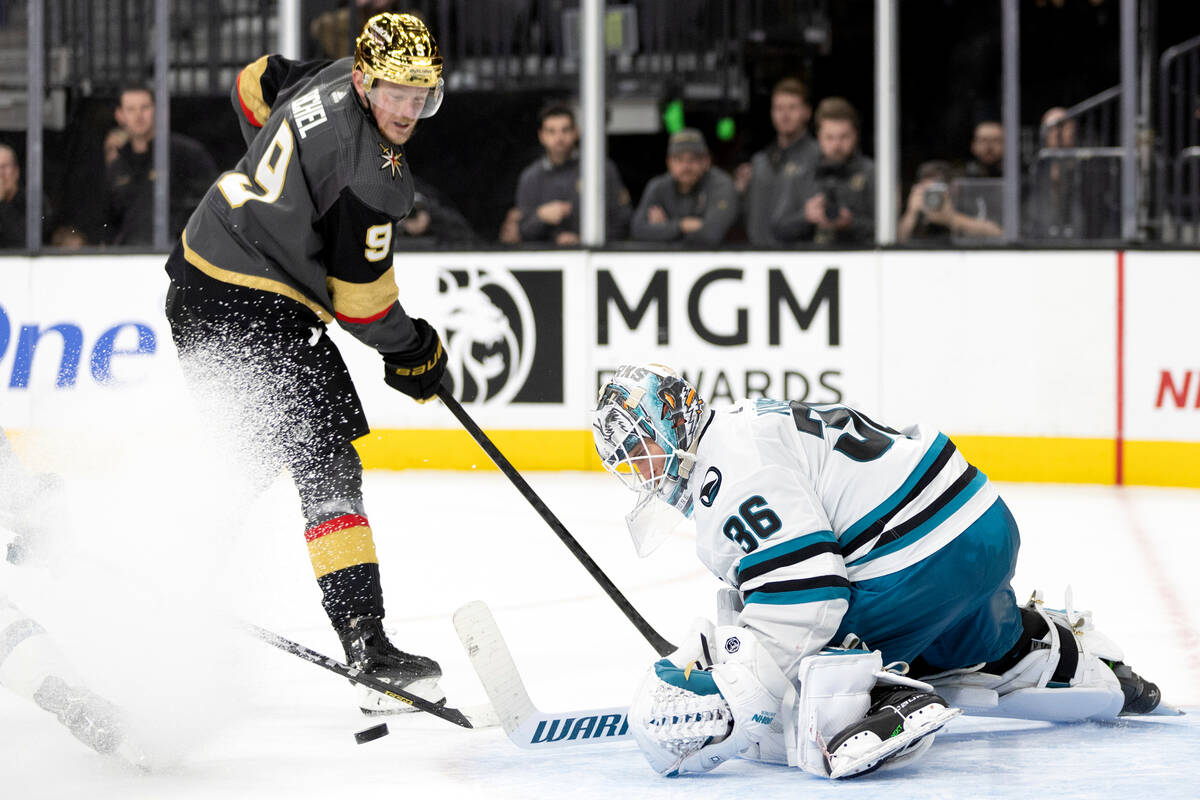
(463, 717)
(661, 645)
(526, 725)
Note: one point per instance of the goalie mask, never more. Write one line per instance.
(399, 48)
(646, 427)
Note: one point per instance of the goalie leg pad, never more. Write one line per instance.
(1061, 679)
(835, 692)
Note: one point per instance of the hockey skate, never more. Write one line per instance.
(899, 726)
(91, 719)
(368, 649)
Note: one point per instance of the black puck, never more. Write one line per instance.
(371, 734)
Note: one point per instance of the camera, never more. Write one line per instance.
(829, 178)
(935, 196)
(833, 207)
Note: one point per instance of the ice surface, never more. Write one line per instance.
(144, 609)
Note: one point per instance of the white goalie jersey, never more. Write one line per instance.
(794, 502)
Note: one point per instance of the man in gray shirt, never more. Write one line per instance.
(835, 203)
(692, 202)
(548, 189)
(764, 179)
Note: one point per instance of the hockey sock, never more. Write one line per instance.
(340, 543)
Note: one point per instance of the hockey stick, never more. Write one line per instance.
(459, 717)
(661, 645)
(521, 720)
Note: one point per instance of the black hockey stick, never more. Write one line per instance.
(355, 676)
(652, 636)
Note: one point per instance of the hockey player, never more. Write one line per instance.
(297, 235)
(849, 545)
(31, 665)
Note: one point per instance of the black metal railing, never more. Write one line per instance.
(1075, 175)
(1178, 142)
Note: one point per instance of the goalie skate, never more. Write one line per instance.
(369, 651)
(899, 726)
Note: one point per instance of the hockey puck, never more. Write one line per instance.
(371, 734)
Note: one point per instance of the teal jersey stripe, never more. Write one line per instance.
(933, 522)
(889, 505)
(785, 548)
(802, 596)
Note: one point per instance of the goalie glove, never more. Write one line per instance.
(691, 714)
(417, 372)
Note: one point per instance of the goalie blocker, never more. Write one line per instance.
(722, 696)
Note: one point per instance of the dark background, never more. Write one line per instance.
(950, 79)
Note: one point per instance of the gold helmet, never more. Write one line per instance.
(399, 48)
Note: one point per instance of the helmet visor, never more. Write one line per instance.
(410, 102)
(650, 522)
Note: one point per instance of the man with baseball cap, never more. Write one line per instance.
(692, 202)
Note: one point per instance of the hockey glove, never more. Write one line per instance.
(417, 372)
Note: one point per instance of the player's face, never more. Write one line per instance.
(837, 139)
(789, 114)
(649, 459)
(396, 107)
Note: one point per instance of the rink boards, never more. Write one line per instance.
(1070, 366)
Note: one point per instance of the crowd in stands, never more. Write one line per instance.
(804, 188)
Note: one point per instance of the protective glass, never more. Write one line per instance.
(412, 102)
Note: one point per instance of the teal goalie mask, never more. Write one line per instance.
(646, 426)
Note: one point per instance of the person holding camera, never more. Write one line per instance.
(835, 203)
(930, 215)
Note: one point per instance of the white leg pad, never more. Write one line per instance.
(1025, 690)
(835, 691)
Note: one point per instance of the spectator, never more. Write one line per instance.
(763, 181)
(433, 221)
(548, 189)
(931, 216)
(987, 147)
(114, 140)
(129, 197)
(510, 227)
(692, 202)
(12, 200)
(836, 202)
(1072, 197)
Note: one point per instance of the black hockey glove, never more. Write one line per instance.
(417, 372)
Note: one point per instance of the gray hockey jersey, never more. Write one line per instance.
(309, 211)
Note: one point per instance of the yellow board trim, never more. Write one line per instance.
(1162, 463)
(250, 281)
(340, 549)
(1003, 458)
(1041, 458)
